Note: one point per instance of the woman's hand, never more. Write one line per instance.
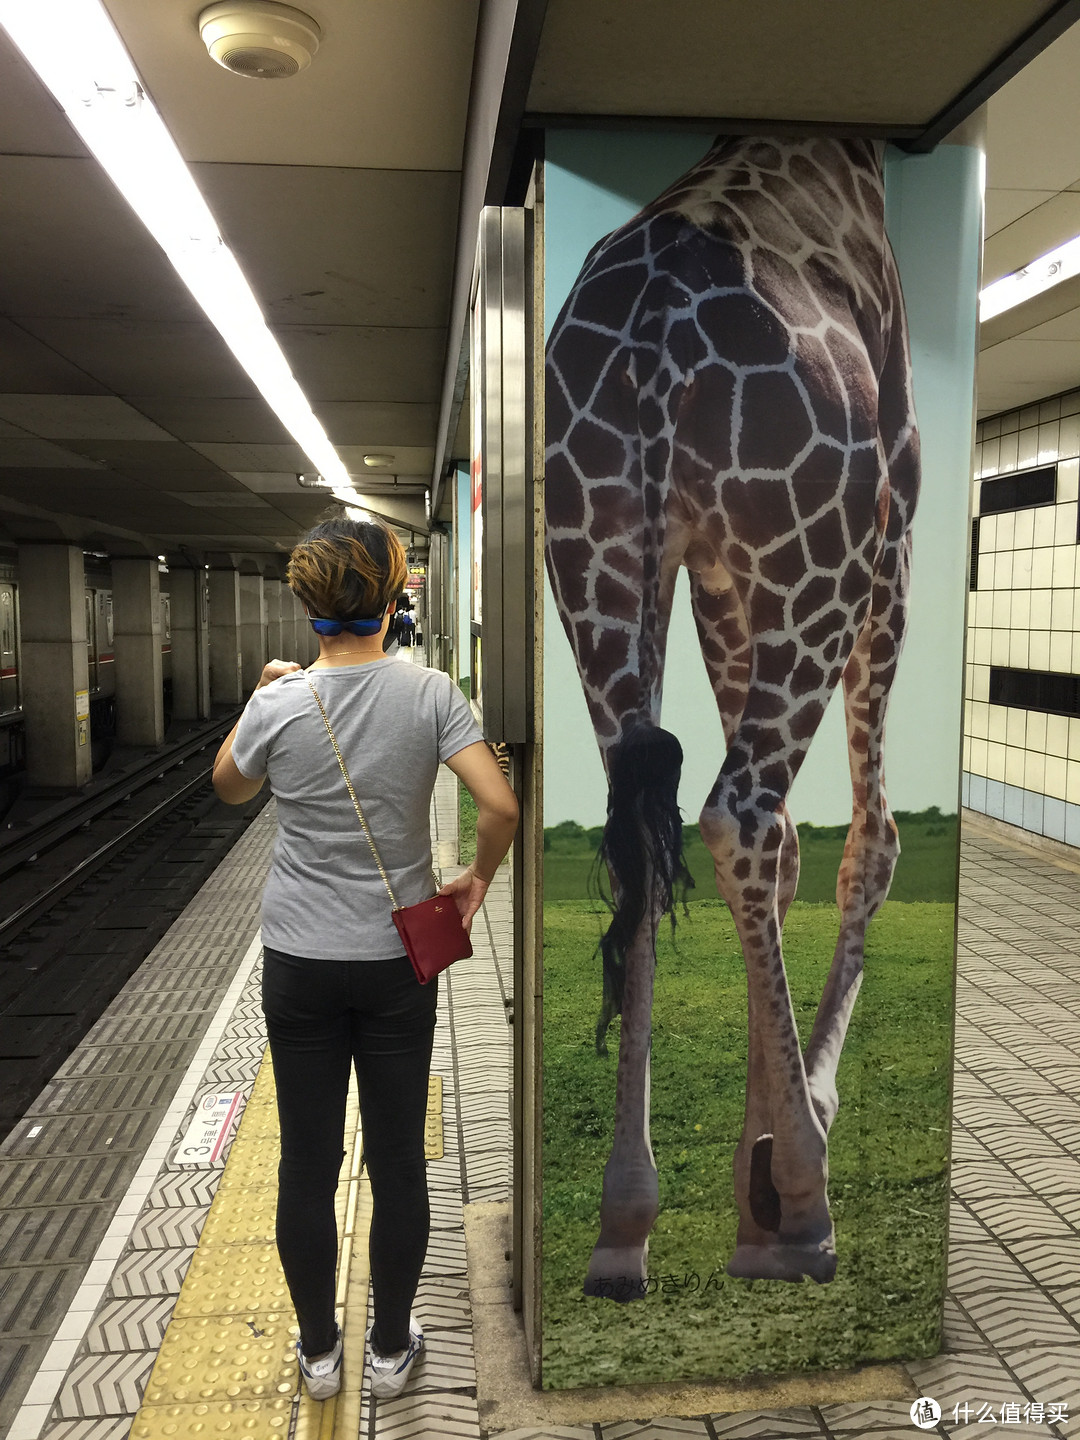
(468, 891)
(274, 670)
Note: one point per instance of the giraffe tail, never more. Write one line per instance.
(643, 848)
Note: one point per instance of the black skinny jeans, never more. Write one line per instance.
(323, 1016)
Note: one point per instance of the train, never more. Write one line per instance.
(100, 664)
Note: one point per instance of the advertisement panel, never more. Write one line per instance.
(745, 1159)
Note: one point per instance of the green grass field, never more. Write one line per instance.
(926, 869)
(888, 1146)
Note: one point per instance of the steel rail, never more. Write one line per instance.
(32, 909)
(18, 852)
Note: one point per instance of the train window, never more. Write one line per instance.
(108, 618)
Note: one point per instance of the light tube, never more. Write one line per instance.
(76, 50)
(1042, 274)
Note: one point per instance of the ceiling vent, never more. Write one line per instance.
(260, 39)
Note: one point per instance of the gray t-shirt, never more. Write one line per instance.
(395, 723)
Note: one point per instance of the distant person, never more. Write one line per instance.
(337, 990)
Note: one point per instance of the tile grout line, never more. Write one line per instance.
(37, 1404)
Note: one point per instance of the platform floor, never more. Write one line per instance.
(101, 1222)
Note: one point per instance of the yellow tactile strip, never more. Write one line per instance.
(227, 1365)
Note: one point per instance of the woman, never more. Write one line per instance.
(337, 989)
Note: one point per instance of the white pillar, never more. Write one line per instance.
(226, 686)
(190, 644)
(55, 684)
(272, 595)
(140, 716)
(252, 630)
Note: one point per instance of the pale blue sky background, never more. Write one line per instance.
(595, 181)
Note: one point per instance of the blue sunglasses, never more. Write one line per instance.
(354, 627)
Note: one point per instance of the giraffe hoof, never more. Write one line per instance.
(617, 1274)
(784, 1262)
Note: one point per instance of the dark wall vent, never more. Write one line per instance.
(973, 579)
(1019, 491)
(1045, 690)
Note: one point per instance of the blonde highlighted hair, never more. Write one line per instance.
(347, 570)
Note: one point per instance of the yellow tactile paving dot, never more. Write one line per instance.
(227, 1365)
(433, 1124)
(233, 1280)
(261, 1419)
(224, 1358)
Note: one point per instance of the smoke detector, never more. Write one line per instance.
(259, 39)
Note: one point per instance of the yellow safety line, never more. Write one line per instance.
(227, 1364)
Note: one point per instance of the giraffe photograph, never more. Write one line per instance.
(731, 429)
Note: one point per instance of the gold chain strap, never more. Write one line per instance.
(352, 793)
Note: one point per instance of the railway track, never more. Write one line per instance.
(88, 895)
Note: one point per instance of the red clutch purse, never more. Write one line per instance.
(433, 935)
(431, 932)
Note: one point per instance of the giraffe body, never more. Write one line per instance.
(729, 390)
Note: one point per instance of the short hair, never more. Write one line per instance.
(347, 569)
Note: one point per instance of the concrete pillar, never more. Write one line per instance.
(252, 629)
(290, 650)
(226, 684)
(137, 645)
(190, 644)
(55, 686)
(272, 595)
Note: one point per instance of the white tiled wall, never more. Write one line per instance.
(1020, 765)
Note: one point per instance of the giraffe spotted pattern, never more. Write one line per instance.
(728, 389)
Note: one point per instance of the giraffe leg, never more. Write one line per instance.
(725, 649)
(630, 1200)
(873, 846)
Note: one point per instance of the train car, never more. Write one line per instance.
(12, 734)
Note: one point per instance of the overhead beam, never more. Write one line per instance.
(507, 41)
(716, 125)
(1048, 28)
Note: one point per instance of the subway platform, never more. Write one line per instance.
(140, 1293)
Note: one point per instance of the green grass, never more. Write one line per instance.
(887, 1153)
(926, 869)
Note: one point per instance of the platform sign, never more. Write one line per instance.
(210, 1128)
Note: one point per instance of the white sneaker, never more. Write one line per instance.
(390, 1373)
(322, 1377)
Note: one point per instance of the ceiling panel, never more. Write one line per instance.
(1034, 234)
(1031, 125)
(71, 245)
(173, 481)
(162, 357)
(79, 417)
(30, 122)
(27, 451)
(28, 364)
(341, 247)
(1005, 206)
(344, 362)
(150, 455)
(893, 62)
(236, 420)
(388, 88)
(375, 424)
(1019, 371)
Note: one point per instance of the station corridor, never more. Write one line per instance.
(201, 1284)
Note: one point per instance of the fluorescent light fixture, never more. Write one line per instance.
(1042, 274)
(76, 50)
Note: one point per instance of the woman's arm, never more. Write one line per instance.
(496, 823)
(230, 784)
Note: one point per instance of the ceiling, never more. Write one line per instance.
(120, 405)
(1032, 206)
(350, 195)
